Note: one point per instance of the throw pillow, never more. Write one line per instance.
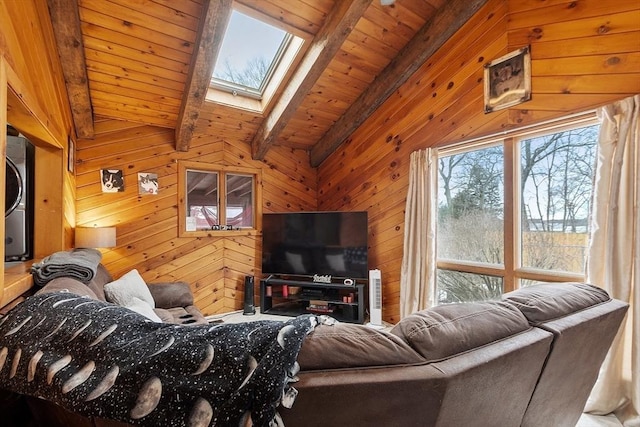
(123, 290)
(141, 307)
(169, 295)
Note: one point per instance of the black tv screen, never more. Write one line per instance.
(310, 243)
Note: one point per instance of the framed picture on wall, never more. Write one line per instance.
(71, 156)
(112, 180)
(147, 183)
(507, 80)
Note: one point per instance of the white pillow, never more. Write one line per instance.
(123, 290)
(140, 306)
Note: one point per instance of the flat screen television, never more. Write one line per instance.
(310, 243)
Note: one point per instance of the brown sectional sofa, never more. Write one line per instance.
(528, 360)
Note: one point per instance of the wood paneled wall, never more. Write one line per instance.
(36, 104)
(584, 54)
(147, 226)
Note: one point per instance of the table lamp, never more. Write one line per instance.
(95, 237)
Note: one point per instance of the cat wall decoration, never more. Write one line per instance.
(147, 183)
(112, 180)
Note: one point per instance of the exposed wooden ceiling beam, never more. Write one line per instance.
(449, 19)
(66, 27)
(216, 14)
(325, 45)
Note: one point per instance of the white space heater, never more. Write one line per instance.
(375, 299)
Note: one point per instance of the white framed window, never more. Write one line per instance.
(514, 210)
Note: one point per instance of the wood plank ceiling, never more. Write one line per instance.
(150, 61)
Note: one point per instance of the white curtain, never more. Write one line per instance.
(613, 261)
(417, 278)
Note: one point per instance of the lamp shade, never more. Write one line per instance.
(95, 237)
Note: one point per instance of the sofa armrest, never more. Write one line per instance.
(68, 284)
(170, 295)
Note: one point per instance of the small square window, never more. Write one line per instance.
(217, 199)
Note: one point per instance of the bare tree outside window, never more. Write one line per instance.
(252, 75)
(557, 173)
(556, 176)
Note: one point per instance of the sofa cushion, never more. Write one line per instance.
(544, 302)
(164, 315)
(189, 315)
(447, 330)
(130, 285)
(169, 295)
(345, 345)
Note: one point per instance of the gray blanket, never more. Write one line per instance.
(79, 264)
(100, 359)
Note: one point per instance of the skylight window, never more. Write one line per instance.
(250, 52)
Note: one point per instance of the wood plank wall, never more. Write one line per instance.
(37, 106)
(147, 226)
(584, 54)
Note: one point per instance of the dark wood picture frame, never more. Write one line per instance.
(507, 80)
(71, 156)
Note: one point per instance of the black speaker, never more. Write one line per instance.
(249, 307)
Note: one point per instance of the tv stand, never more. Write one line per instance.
(292, 297)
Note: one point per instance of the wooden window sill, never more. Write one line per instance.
(17, 281)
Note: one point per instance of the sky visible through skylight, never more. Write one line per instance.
(246, 39)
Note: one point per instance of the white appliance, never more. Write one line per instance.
(18, 199)
(375, 299)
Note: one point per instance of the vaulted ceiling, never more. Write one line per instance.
(150, 61)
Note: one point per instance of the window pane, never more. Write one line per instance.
(557, 181)
(456, 286)
(471, 206)
(248, 50)
(202, 198)
(239, 200)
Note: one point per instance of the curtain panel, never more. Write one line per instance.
(417, 276)
(613, 259)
